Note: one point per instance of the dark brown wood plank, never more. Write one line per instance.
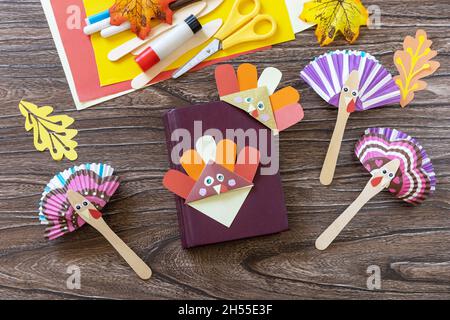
(411, 245)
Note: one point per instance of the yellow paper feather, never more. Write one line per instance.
(50, 131)
(414, 63)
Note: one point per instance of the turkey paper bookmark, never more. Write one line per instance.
(396, 162)
(356, 81)
(216, 184)
(74, 197)
(276, 110)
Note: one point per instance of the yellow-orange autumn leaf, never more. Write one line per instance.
(413, 64)
(140, 14)
(331, 16)
(50, 131)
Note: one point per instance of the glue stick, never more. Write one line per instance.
(166, 43)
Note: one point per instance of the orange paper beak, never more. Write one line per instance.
(255, 113)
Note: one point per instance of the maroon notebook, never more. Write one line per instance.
(263, 212)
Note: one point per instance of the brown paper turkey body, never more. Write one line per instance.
(217, 183)
(214, 180)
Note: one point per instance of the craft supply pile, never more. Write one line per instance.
(222, 192)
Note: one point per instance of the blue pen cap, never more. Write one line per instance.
(98, 17)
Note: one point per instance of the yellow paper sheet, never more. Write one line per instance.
(126, 68)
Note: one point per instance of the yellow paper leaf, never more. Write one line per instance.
(414, 63)
(50, 131)
(331, 16)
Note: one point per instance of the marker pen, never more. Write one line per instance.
(97, 22)
(98, 17)
(166, 43)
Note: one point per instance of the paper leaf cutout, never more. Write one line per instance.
(414, 63)
(332, 16)
(140, 13)
(50, 131)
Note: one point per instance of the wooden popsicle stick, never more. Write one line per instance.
(87, 211)
(347, 105)
(140, 49)
(381, 179)
(113, 30)
(140, 267)
(327, 237)
(329, 165)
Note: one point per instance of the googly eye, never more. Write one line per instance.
(354, 93)
(260, 105)
(85, 203)
(78, 207)
(384, 171)
(391, 175)
(249, 99)
(220, 177)
(209, 181)
(345, 89)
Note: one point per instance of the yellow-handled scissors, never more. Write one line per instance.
(238, 28)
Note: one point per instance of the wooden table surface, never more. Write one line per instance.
(411, 245)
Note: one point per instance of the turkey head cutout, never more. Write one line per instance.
(276, 110)
(216, 184)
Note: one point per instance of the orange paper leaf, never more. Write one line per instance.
(331, 16)
(413, 64)
(140, 13)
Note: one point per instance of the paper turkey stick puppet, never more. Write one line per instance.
(276, 110)
(75, 197)
(356, 81)
(216, 183)
(396, 162)
(351, 81)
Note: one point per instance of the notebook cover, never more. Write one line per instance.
(264, 212)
